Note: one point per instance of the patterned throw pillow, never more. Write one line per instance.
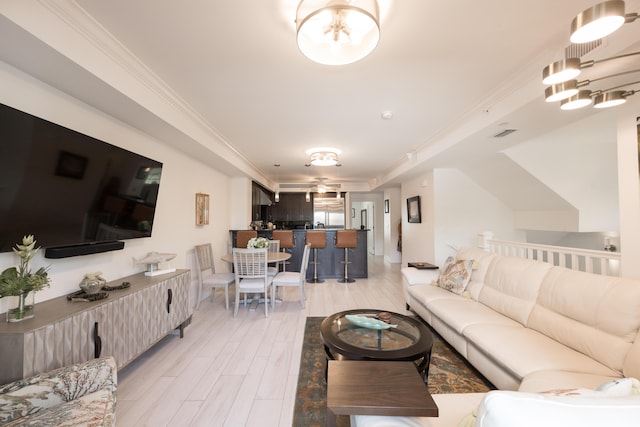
(455, 275)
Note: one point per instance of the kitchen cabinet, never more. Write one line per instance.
(292, 207)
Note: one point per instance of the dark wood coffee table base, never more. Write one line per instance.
(357, 387)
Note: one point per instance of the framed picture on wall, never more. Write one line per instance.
(413, 209)
(386, 205)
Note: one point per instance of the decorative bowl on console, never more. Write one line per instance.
(92, 283)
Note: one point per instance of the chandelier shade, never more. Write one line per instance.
(609, 99)
(597, 21)
(561, 91)
(561, 71)
(579, 100)
(337, 32)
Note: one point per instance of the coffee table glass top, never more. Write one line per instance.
(404, 335)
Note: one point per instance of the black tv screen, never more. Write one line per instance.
(67, 188)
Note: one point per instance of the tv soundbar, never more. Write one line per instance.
(82, 249)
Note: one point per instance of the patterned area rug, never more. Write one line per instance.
(448, 373)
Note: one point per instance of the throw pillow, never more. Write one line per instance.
(455, 275)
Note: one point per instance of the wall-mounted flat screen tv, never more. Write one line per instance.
(67, 188)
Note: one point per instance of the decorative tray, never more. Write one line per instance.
(368, 322)
(83, 296)
(124, 285)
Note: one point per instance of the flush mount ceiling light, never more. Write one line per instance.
(591, 24)
(323, 156)
(337, 32)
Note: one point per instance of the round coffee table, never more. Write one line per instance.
(409, 340)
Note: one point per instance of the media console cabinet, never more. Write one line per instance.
(123, 325)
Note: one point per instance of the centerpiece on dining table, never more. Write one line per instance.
(258, 243)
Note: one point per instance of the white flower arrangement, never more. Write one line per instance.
(258, 243)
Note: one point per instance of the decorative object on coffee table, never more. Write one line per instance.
(22, 283)
(152, 260)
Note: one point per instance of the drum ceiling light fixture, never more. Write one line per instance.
(591, 24)
(337, 32)
(323, 156)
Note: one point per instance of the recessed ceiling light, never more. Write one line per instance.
(387, 115)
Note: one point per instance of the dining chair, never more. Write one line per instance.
(250, 266)
(207, 276)
(293, 278)
(274, 246)
(243, 237)
(287, 243)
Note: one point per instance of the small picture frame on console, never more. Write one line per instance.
(413, 209)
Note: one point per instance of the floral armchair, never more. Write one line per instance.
(83, 394)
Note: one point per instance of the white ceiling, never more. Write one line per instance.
(454, 73)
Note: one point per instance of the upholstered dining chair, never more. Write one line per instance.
(250, 267)
(243, 237)
(287, 242)
(293, 278)
(274, 246)
(207, 276)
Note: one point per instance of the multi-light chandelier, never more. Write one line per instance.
(591, 24)
(337, 32)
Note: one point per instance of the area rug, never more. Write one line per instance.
(448, 373)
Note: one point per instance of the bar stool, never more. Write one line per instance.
(287, 241)
(347, 239)
(318, 240)
(243, 237)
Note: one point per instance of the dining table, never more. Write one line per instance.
(272, 257)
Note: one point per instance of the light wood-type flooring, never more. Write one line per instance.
(241, 371)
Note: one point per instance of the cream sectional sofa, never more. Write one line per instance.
(528, 326)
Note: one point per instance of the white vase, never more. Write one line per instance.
(23, 308)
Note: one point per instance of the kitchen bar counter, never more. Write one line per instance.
(330, 266)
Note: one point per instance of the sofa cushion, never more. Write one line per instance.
(455, 275)
(521, 351)
(512, 408)
(601, 323)
(511, 286)
(413, 276)
(427, 294)
(546, 380)
(460, 313)
(481, 262)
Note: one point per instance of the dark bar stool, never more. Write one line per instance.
(347, 239)
(287, 241)
(318, 240)
(243, 237)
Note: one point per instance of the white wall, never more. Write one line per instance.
(454, 210)
(182, 177)
(392, 219)
(629, 187)
(580, 167)
(374, 202)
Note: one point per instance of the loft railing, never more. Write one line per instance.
(591, 261)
